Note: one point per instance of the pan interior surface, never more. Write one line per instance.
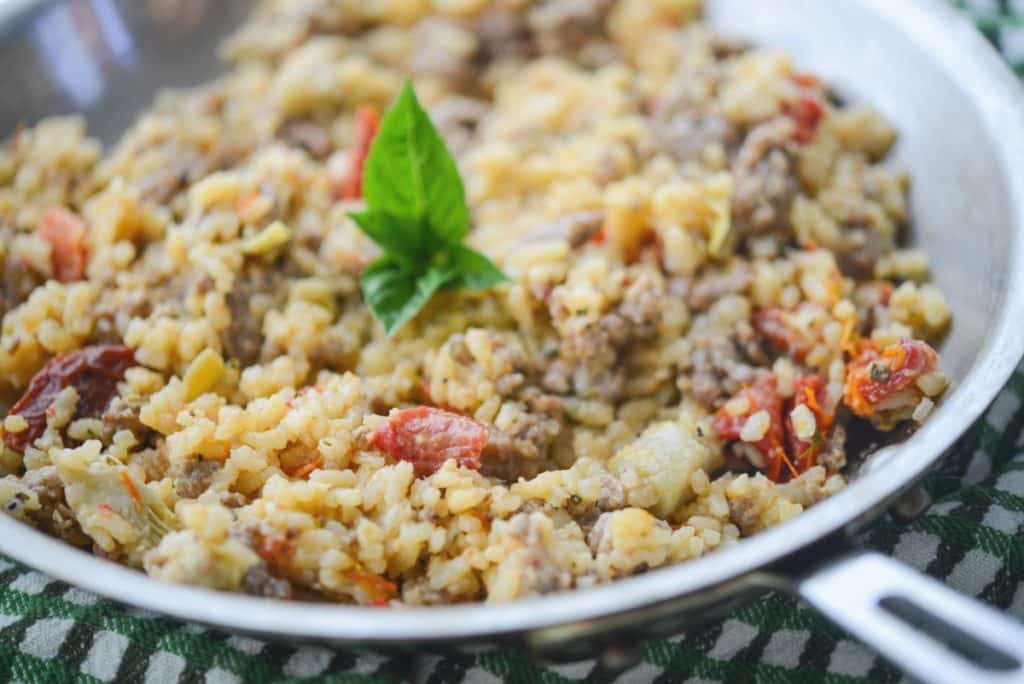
(960, 114)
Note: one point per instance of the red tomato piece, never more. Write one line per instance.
(762, 395)
(810, 391)
(875, 376)
(774, 324)
(806, 113)
(68, 238)
(367, 124)
(94, 372)
(427, 437)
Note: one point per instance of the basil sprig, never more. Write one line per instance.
(416, 212)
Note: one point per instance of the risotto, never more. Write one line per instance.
(706, 295)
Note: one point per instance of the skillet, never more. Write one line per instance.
(960, 113)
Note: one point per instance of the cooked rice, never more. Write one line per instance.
(236, 453)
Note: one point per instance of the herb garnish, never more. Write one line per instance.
(416, 212)
(879, 372)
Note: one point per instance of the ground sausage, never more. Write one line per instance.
(122, 414)
(53, 515)
(19, 280)
(521, 450)
(569, 27)
(721, 364)
(594, 352)
(242, 340)
(735, 278)
(258, 581)
(576, 228)
(686, 136)
(765, 180)
(503, 33)
(195, 477)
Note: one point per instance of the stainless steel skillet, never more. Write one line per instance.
(961, 116)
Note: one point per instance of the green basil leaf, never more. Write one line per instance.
(475, 271)
(400, 236)
(395, 292)
(416, 212)
(410, 173)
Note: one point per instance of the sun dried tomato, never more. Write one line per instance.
(883, 290)
(873, 377)
(378, 590)
(775, 325)
(427, 437)
(273, 548)
(806, 113)
(809, 391)
(306, 469)
(367, 124)
(69, 249)
(94, 373)
(762, 395)
(807, 80)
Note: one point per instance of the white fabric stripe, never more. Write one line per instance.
(7, 620)
(1012, 41)
(478, 675)
(943, 508)
(245, 644)
(1003, 519)
(785, 647)
(219, 676)
(1012, 482)
(44, 638)
(105, 656)
(164, 668)
(735, 637)
(851, 659)
(425, 666)
(974, 572)
(5, 565)
(1017, 604)
(641, 674)
(308, 662)
(1003, 410)
(80, 597)
(917, 549)
(31, 582)
(572, 670)
(978, 469)
(368, 663)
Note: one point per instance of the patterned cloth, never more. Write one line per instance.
(972, 538)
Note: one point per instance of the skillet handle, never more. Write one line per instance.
(931, 632)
